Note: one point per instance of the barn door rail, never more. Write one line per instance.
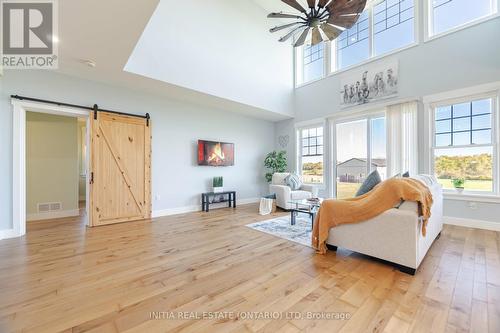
(95, 108)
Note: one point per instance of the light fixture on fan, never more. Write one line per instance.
(326, 18)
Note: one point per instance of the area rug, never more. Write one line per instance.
(281, 227)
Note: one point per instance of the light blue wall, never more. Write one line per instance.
(176, 127)
(462, 59)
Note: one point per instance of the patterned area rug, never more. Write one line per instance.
(281, 227)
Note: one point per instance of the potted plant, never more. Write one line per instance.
(217, 184)
(458, 184)
(276, 161)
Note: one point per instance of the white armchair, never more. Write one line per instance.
(284, 193)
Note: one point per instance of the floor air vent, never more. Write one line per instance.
(49, 207)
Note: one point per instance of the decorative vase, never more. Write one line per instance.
(218, 189)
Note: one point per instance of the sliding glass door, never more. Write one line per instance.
(360, 148)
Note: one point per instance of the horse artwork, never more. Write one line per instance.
(369, 85)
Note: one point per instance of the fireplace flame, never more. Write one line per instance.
(217, 155)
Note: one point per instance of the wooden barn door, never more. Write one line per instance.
(120, 167)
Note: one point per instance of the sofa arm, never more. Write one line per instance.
(283, 194)
(310, 188)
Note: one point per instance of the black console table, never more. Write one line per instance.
(228, 196)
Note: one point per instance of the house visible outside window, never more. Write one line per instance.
(445, 15)
(311, 155)
(464, 144)
(360, 148)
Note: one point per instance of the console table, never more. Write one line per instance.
(205, 199)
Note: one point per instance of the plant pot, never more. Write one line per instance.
(459, 189)
(218, 189)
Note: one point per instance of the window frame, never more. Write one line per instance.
(299, 151)
(494, 96)
(368, 116)
(429, 20)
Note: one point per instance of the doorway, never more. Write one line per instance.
(55, 167)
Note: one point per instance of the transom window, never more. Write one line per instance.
(311, 157)
(464, 146)
(310, 62)
(446, 15)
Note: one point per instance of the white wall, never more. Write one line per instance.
(466, 58)
(51, 161)
(219, 47)
(176, 178)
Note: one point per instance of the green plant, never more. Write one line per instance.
(276, 161)
(217, 182)
(458, 182)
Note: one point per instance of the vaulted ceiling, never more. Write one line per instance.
(216, 53)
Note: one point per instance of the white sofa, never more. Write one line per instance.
(395, 235)
(284, 193)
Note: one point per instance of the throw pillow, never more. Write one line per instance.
(293, 181)
(369, 183)
(406, 174)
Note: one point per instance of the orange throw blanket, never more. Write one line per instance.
(383, 197)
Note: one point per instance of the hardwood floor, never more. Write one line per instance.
(63, 277)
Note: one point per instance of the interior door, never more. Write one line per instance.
(120, 166)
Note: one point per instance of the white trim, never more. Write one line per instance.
(471, 91)
(369, 108)
(471, 223)
(197, 208)
(53, 215)
(471, 197)
(9, 233)
(19, 109)
(429, 21)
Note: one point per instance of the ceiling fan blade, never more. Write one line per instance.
(322, 3)
(278, 28)
(302, 37)
(295, 4)
(343, 21)
(342, 7)
(290, 34)
(311, 3)
(316, 37)
(281, 15)
(330, 31)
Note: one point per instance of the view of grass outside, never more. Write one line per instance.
(312, 172)
(477, 170)
(347, 190)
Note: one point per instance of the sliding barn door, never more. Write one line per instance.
(120, 169)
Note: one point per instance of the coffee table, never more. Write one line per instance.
(304, 206)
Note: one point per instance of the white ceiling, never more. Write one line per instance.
(108, 31)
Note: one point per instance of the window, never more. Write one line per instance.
(448, 14)
(311, 64)
(353, 45)
(464, 145)
(356, 155)
(311, 157)
(393, 25)
(384, 26)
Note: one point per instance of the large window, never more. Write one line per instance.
(360, 149)
(446, 15)
(384, 26)
(310, 63)
(311, 157)
(464, 144)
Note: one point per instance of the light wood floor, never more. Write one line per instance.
(64, 277)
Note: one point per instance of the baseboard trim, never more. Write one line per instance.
(52, 215)
(471, 223)
(9, 233)
(197, 208)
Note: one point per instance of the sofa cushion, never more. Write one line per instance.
(300, 195)
(279, 178)
(293, 181)
(369, 183)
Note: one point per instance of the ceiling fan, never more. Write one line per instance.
(326, 18)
